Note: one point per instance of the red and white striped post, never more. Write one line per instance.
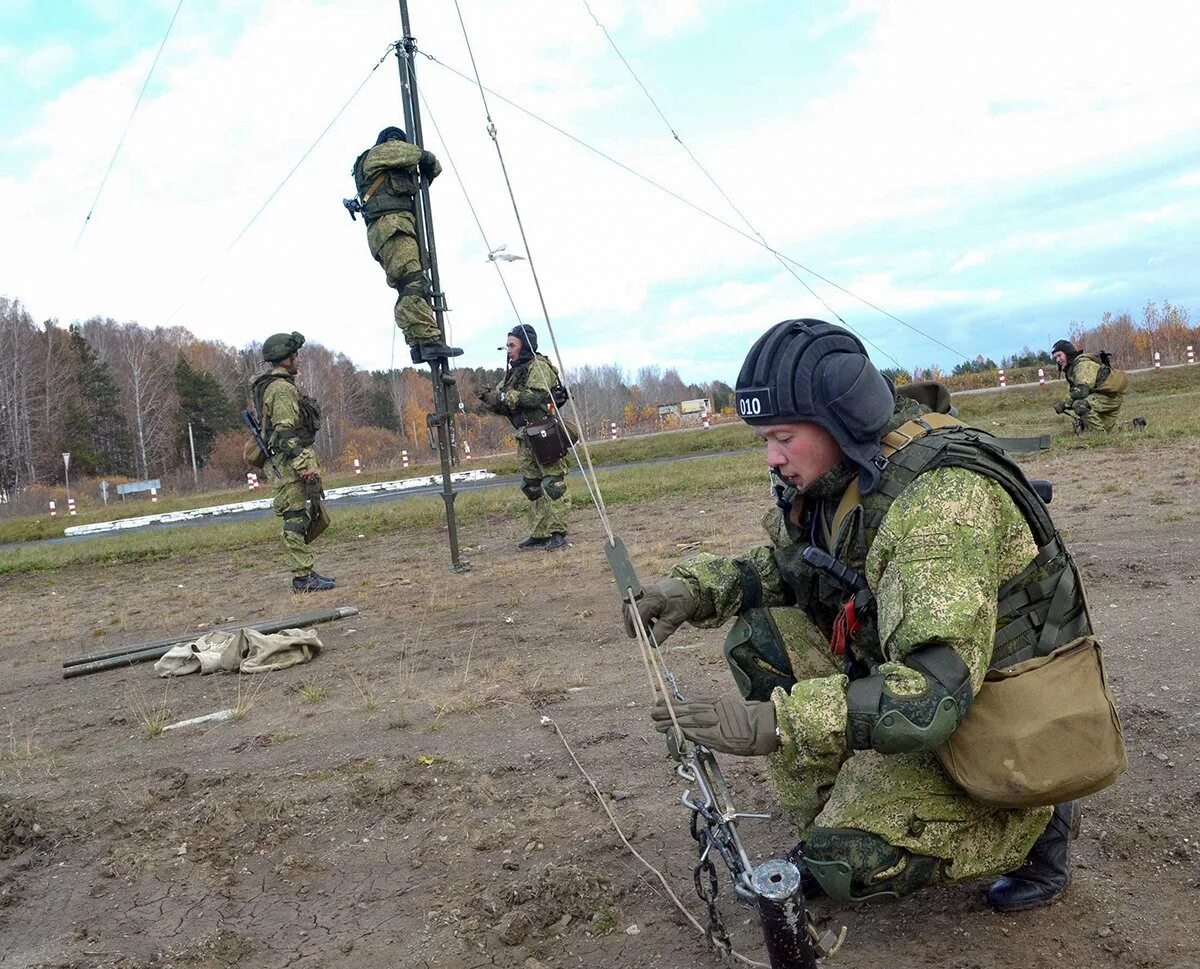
(704, 419)
(154, 494)
(71, 506)
(404, 457)
(53, 511)
(1191, 354)
(1157, 362)
(1041, 377)
(357, 467)
(466, 451)
(251, 480)
(1002, 377)
(612, 430)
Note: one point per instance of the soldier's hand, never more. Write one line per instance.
(1060, 408)
(310, 477)
(730, 725)
(664, 607)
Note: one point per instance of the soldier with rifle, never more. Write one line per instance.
(285, 425)
(913, 584)
(1096, 388)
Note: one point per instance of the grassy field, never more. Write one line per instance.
(1168, 401)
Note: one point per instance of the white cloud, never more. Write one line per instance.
(946, 108)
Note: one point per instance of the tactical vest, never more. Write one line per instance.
(517, 378)
(393, 193)
(1038, 610)
(310, 410)
(1109, 381)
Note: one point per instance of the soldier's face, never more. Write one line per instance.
(513, 346)
(1060, 358)
(800, 452)
(291, 364)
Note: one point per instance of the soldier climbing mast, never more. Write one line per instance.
(392, 181)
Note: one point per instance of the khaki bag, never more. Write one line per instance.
(548, 440)
(1042, 732)
(318, 517)
(253, 455)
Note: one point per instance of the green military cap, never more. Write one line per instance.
(280, 346)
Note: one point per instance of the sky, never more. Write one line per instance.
(986, 173)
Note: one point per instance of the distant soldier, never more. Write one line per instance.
(386, 177)
(1097, 389)
(529, 387)
(290, 421)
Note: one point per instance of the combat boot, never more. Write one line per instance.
(532, 542)
(1045, 874)
(324, 578)
(311, 583)
(432, 352)
(555, 541)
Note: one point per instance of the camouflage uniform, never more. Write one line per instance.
(280, 410)
(948, 543)
(523, 396)
(391, 229)
(1089, 409)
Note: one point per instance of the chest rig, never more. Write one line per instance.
(390, 191)
(1038, 610)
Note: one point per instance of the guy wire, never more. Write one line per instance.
(692, 205)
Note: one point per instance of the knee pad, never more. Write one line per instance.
(756, 655)
(1082, 408)
(554, 486)
(856, 866)
(532, 487)
(412, 284)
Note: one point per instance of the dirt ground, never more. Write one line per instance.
(398, 802)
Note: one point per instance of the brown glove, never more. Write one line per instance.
(664, 607)
(1060, 408)
(730, 725)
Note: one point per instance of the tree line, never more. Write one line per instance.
(134, 402)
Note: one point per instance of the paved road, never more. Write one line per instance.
(509, 481)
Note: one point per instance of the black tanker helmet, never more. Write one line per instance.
(280, 346)
(813, 371)
(1067, 347)
(391, 134)
(528, 337)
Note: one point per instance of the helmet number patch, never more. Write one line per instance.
(755, 402)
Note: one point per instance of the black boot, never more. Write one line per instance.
(325, 578)
(555, 541)
(311, 583)
(531, 543)
(432, 352)
(1045, 874)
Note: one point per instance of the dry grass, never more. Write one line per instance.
(151, 716)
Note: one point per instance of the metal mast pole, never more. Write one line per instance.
(442, 421)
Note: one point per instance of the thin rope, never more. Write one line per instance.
(470, 205)
(597, 495)
(694, 206)
(721, 191)
(278, 188)
(121, 141)
(549, 721)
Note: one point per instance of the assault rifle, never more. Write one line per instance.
(251, 422)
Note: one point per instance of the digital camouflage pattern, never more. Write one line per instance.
(946, 545)
(281, 412)
(392, 239)
(524, 395)
(1087, 409)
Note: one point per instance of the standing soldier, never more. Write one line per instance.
(1097, 389)
(529, 388)
(290, 421)
(908, 557)
(386, 177)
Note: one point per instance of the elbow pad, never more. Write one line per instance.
(891, 724)
(1079, 391)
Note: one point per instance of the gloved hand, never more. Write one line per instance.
(310, 478)
(730, 725)
(1060, 408)
(488, 398)
(664, 607)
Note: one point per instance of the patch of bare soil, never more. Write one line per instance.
(399, 803)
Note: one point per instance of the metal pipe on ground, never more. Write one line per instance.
(145, 652)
